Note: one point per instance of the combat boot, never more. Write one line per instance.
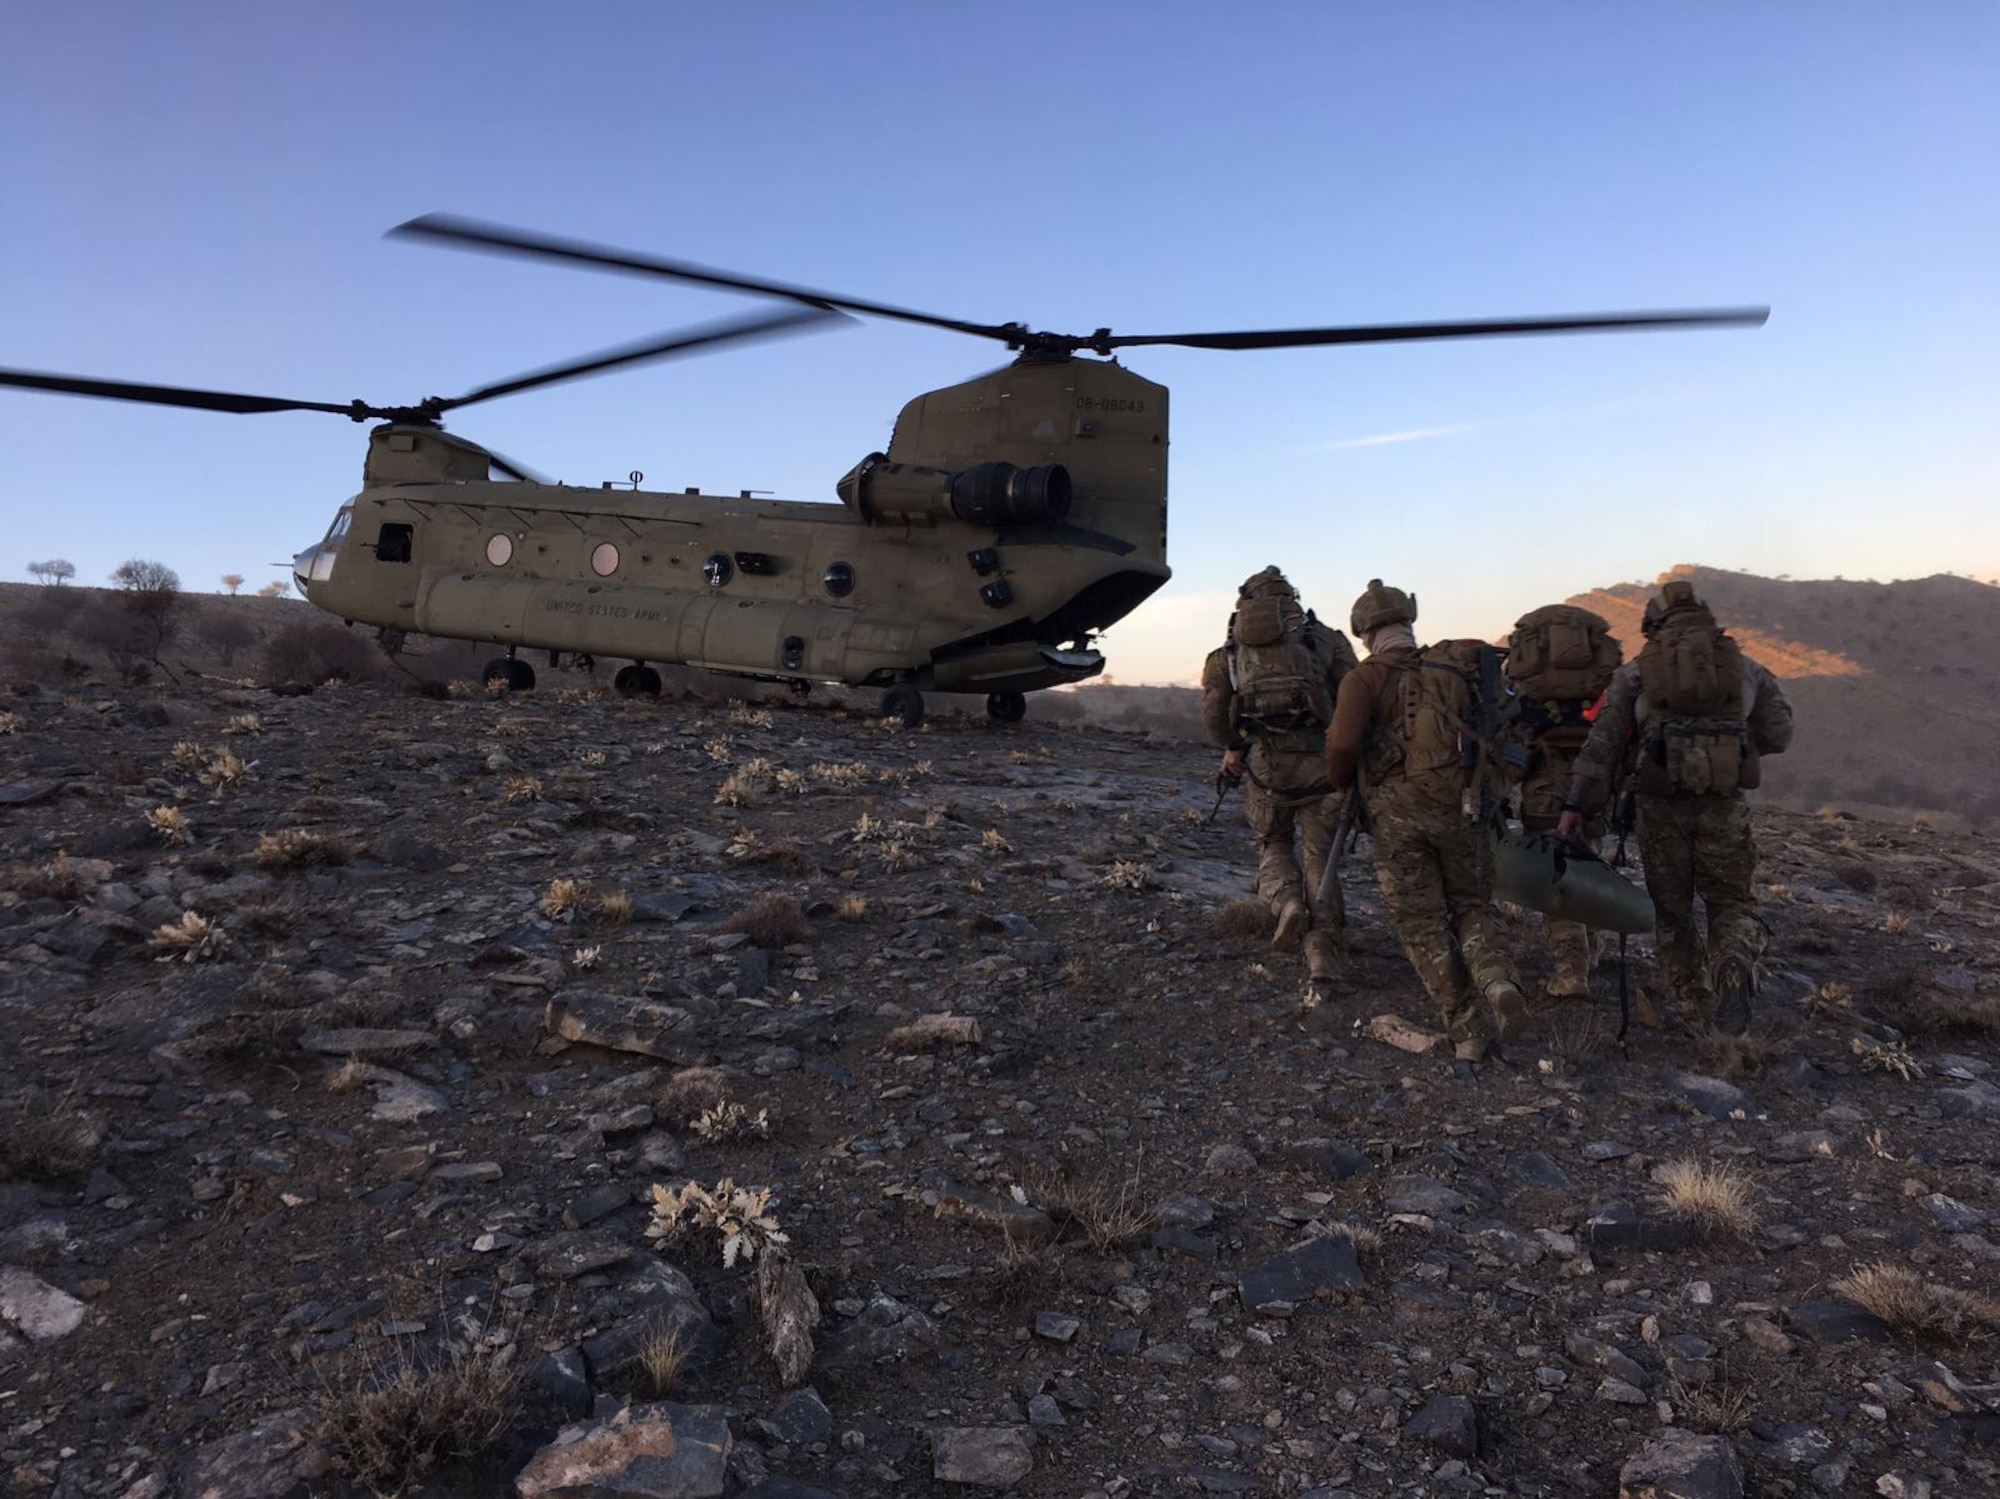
(1510, 1008)
(1735, 986)
(1571, 979)
(1293, 921)
(1471, 1042)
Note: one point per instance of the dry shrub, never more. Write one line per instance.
(1712, 1197)
(389, 1426)
(1733, 1056)
(1719, 1407)
(1243, 921)
(44, 1140)
(191, 939)
(271, 915)
(299, 848)
(562, 900)
(346, 1078)
(614, 908)
(245, 1033)
(1855, 875)
(852, 908)
(1915, 1307)
(1109, 1209)
(928, 1031)
(60, 878)
(690, 1093)
(772, 920)
(1932, 1013)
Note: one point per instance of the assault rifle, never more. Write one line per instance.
(1224, 784)
(1487, 751)
(1354, 821)
(1624, 813)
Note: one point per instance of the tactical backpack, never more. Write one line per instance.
(1694, 739)
(1451, 706)
(1562, 654)
(1278, 680)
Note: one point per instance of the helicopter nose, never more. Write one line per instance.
(303, 564)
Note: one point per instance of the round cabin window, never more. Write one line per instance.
(604, 559)
(838, 580)
(718, 569)
(499, 550)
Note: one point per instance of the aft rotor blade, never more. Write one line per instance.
(164, 395)
(499, 239)
(687, 341)
(1383, 333)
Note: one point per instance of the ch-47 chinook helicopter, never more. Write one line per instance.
(1012, 518)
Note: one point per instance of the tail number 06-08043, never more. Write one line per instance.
(1109, 403)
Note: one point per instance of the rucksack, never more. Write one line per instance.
(1694, 738)
(1562, 654)
(1450, 707)
(1280, 681)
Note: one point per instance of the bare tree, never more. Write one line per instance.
(275, 590)
(152, 597)
(226, 632)
(232, 581)
(55, 572)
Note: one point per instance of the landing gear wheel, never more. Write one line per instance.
(511, 672)
(801, 688)
(636, 681)
(1007, 707)
(905, 702)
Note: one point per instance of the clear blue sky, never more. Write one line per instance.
(194, 194)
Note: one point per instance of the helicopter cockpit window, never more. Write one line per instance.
(500, 550)
(838, 579)
(604, 559)
(341, 523)
(718, 569)
(393, 544)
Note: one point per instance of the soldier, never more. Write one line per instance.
(1691, 717)
(1560, 660)
(1267, 698)
(1400, 721)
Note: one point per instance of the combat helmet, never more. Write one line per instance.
(1676, 596)
(1382, 605)
(1269, 582)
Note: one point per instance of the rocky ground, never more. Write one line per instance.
(351, 1168)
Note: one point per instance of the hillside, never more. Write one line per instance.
(1896, 686)
(351, 1034)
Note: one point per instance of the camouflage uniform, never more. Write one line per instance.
(1544, 787)
(1288, 805)
(1693, 846)
(1431, 862)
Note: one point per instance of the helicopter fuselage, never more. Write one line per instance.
(1012, 517)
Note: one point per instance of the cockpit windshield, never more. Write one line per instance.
(341, 522)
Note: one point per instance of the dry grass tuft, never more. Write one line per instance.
(730, 1121)
(226, 771)
(852, 908)
(663, 1358)
(300, 848)
(1963, 1016)
(1578, 1033)
(44, 1140)
(191, 939)
(1124, 874)
(614, 908)
(1720, 1407)
(690, 1093)
(1916, 1307)
(1109, 1210)
(271, 915)
(1734, 1056)
(389, 1426)
(927, 1032)
(186, 755)
(10, 723)
(1365, 1240)
(562, 900)
(1243, 921)
(1712, 1197)
(244, 723)
(1886, 1056)
(772, 920)
(521, 789)
(349, 1076)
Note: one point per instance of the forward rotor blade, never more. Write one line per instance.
(513, 470)
(498, 239)
(164, 395)
(687, 341)
(1382, 333)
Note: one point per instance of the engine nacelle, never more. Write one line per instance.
(995, 496)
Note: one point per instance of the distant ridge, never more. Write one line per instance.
(1896, 686)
